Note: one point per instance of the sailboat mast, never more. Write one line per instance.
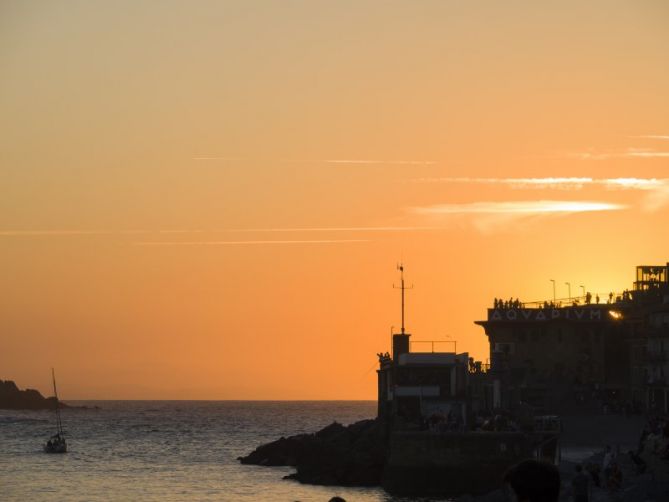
(55, 393)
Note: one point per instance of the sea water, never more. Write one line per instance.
(167, 451)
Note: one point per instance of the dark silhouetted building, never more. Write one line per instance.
(583, 355)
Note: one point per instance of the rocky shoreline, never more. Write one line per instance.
(13, 398)
(355, 455)
(337, 455)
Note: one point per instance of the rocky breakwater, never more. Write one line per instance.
(12, 398)
(352, 455)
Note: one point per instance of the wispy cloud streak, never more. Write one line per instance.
(630, 153)
(559, 183)
(391, 162)
(65, 233)
(490, 217)
(656, 190)
(56, 233)
(323, 161)
(517, 207)
(653, 136)
(250, 242)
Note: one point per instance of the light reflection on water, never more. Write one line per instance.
(167, 451)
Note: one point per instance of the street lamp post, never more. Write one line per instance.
(582, 288)
(568, 289)
(553, 281)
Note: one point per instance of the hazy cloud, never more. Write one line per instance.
(490, 217)
(517, 207)
(559, 183)
(656, 190)
(653, 136)
(638, 153)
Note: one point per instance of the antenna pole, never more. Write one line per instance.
(400, 267)
(402, 277)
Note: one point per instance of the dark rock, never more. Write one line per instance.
(12, 398)
(335, 455)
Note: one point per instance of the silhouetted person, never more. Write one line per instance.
(580, 485)
(593, 470)
(534, 481)
(638, 462)
(615, 479)
(607, 462)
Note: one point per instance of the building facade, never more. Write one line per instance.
(580, 355)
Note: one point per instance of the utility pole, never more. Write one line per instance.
(569, 289)
(553, 281)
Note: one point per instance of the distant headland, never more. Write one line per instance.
(13, 398)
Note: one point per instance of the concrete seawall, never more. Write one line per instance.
(453, 463)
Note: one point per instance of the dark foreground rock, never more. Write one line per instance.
(12, 398)
(336, 455)
(417, 463)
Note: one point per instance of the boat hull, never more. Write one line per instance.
(55, 449)
(56, 444)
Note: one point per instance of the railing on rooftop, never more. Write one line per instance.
(431, 344)
(570, 302)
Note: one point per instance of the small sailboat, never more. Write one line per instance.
(56, 443)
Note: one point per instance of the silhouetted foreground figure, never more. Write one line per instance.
(580, 485)
(534, 481)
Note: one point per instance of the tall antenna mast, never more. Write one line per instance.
(400, 267)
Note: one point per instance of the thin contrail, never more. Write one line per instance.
(323, 161)
(236, 243)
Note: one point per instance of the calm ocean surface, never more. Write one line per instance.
(167, 451)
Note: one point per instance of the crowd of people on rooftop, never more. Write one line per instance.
(587, 299)
(507, 304)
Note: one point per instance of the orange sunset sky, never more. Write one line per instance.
(208, 200)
